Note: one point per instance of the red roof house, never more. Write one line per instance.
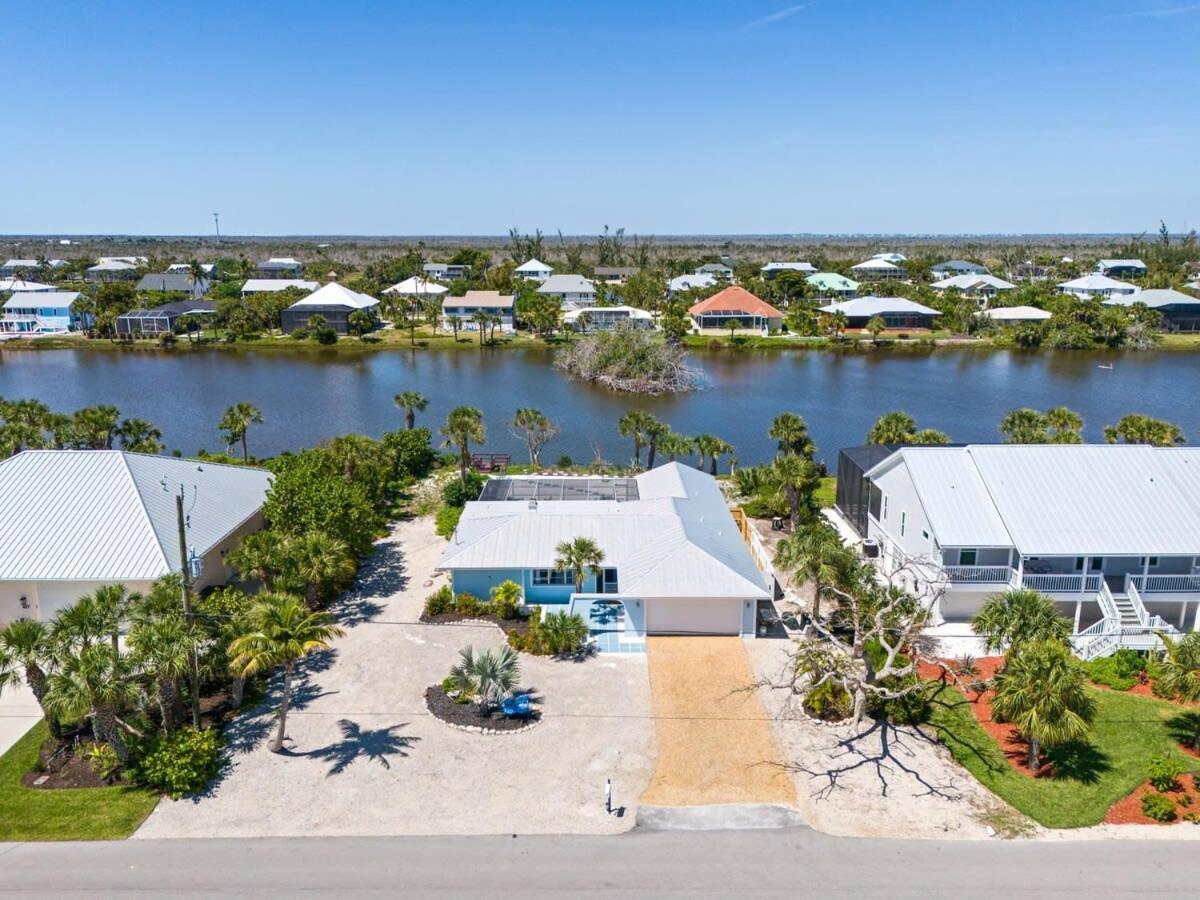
(735, 303)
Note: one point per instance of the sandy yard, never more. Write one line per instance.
(365, 757)
(714, 737)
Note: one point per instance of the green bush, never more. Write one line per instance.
(447, 520)
(1158, 807)
(326, 336)
(1121, 671)
(506, 600)
(183, 762)
(1164, 772)
(440, 601)
(828, 702)
(458, 492)
(469, 605)
(561, 632)
(1193, 817)
(102, 759)
(455, 691)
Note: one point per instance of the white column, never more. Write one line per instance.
(1182, 614)
(1196, 620)
(1087, 563)
(1078, 613)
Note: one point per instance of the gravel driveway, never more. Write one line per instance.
(365, 757)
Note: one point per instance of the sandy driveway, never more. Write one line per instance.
(365, 757)
(714, 737)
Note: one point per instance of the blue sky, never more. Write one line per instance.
(663, 117)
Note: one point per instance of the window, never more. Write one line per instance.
(543, 577)
(608, 584)
(1079, 564)
(902, 517)
(967, 557)
(885, 507)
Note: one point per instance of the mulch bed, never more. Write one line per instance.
(70, 770)
(467, 714)
(520, 626)
(1129, 810)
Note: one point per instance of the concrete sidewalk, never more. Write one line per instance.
(18, 713)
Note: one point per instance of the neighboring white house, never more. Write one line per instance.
(463, 309)
(415, 285)
(719, 271)
(896, 312)
(573, 291)
(280, 267)
(73, 520)
(952, 267)
(1110, 532)
(674, 559)
(606, 318)
(115, 268)
(878, 269)
(1017, 314)
(1096, 286)
(334, 302)
(271, 285)
(534, 270)
(445, 271)
(1121, 268)
(771, 269)
(187, 267)
(20, 284)
(12, 267)
(833, 283)
(979, 287)
(896, 258)
(691, 282)
(44, 312)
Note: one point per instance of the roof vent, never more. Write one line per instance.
(533, 503)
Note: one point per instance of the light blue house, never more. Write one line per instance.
(674, 559)
(44, 312)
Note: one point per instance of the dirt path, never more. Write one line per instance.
(714, 737)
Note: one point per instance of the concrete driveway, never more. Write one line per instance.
(365, 757)
(714, 737)
(18, 713)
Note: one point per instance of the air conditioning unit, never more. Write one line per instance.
(870, 549)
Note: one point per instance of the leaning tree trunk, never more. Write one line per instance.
(410, 418)
(168, 703)
(1034, 753)
(245, 452)
(36, 679)
(237, 692)
(650, 455)
(277, 744)
(104, 724)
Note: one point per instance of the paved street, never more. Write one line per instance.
(18, 713)
(743, 864)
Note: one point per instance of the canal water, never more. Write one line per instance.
(307, 397)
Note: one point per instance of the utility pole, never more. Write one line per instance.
(185, 571)
(217, 222)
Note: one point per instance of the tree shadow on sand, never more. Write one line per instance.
(247, 732)
(381, 576)
(371, 744)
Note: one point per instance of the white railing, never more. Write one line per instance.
(759, 551)
(1063, 582)
(1108, 604)
(1163, 583)
(1135, 600)
(978, 574)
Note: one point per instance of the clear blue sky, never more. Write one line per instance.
(671, 117)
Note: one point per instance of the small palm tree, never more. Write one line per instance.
(463, 426)
(675, 445)
(412, 402)
(113, 603)
(635, 425)
(163, 648)
(488, 675)
(324, 563)
(282, 631)
(796, 478)
(236, 422)
(579, 556)
(481, 318)
(1008, 620)
(261, 556)
(654, 431)
(1181, 667)
(791, 431)
(892, 428)
(94, 684)
(1041, 691)
(876, 326)
(816, 553)
(27, 652)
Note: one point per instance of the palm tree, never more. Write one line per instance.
(733, 325)
(163, 648)
(236, 422)
(1041, 691)
(488, 675)
(717, 448)
(796, 478)
(816, 553)
(79, 626)
(463, 425)
(411, 402)
(1011, 619)
(139, 436)
(675, 445)
(654, 430)
(635, 424)
(481, 318)
(94, 684)
(705, 444)
(261, 556)
(578, 556)
(27, 650)
(895, 427)
(282, 631)
(321, 561)
(791, 431)
(113, 603)
(876, 326)
(1181, 667)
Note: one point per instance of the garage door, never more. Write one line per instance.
(678, 615)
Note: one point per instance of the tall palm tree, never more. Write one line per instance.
(1181, 667)
(27, 651)
(894, 427)
(236, 422)
(113, 603)
(1009, 620)
(324, 563)
(488, 675)
(261, 556)
(94, 684)
(716, 449)
(139, 436)
(412, 402)
(579, 556)
(282, 631)
(704, 443)
(481, 318)
(1041, 690)
(463, 426)
(636, 424)
(80, 625)
(535, 428)
(816, 553)
(654, 431)
(675, 445)
(796, 478)
(791, 431)
(163, 648)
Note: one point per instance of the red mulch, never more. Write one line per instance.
(1129, 810)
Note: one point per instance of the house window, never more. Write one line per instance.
(608, 582)
(885, 507)
(1079, 564)
(967, 557)
(902, 517)
(544, 577)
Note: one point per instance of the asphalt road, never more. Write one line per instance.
(739, 864)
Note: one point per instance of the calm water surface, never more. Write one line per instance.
(307, 397)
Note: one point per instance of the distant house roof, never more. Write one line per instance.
(1155, 298)
(865, 307)
(334, 294)
(20, 284)
(832, 281)
(190, 306)
(1105, 264)
(890, 257)
(959, 267)
(533, 265)
(113, 265)
(131, 260)
(1098, 283)
(566, 284)
(1017, 314)
(280, 262)
(735, 299)
(270, 285)
(416, 285)
(875, 264)
(172, 281)
(714, 269)
(41, 299)
(187, 267)
(615, 271)
(688, 282)
(108, 515)
(480, 300)
(630, 312)
(972, 282)
(807, 268)
(32, 264)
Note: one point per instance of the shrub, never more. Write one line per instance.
(564, 462)
(183, 762)
(224, 602)
(459, 693)
(469, 605)
(326, 336)
(447, 520)
(1120, 671)
(561, 632)
(412, 452)
(506, 600)
(1164, 772)
(1193, 817)
(300, 334)
(102, 759)
(1158, 807)
(827, 702)
(457, 492)
(440, 601)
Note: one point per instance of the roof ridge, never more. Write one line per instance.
(147, 520)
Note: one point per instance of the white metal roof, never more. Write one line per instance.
(876, 263)
(833, 281)
(631, 312)
(1017, 314)
(1097, 283)
(108, 515)
(187, 267)
(534, 265)
(416, 285)
(269, 285)
(113, 265)
(792, 266)
(678, 540)
(334, 294)
(1068, 499)
(891, 257)
(973, 281)
(955, 499)
(18, 284)
(566, 284)
(1154, 298)
(41, 299)
(687, 282)
(1120, 264)
(877, 306)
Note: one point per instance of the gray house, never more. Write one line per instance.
(174, 283)
(161, 319)
(279, 267)
(333, 303)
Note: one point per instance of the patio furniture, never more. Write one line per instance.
(518, 706)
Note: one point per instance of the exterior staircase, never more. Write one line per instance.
(1125, 622)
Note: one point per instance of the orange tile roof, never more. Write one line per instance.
(736, 299)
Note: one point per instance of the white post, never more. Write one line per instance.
(1078, 613)
(1196, 620)
(1182, 614)
(1083, 576)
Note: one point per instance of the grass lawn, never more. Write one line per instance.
(1127, 731)
(85, 814)
(826, 494)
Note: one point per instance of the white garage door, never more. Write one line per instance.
(694, 616)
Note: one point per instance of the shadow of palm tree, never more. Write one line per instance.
(381, 576)
(248, 730)
(1077, 761)
(374, 745)
(1185, 728)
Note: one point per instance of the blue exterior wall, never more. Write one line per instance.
(481, 581)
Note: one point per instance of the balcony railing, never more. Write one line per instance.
(1063, 582)
(979, 574)
(1151, 584)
